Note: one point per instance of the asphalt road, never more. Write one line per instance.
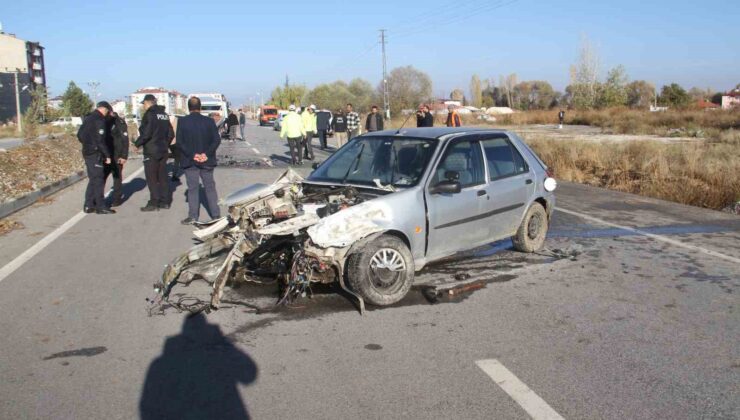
(633, 318)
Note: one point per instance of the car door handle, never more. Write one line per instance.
(481, 193)
(529, 181)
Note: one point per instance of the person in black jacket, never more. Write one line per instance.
(323, 125)
(96, 154)
(339, 127)
(155, 135)
(374, 120)
(424, 117)
(197, 140)
(117, 142)
(232, 124)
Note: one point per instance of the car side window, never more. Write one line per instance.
(503, 159)
(466, 159)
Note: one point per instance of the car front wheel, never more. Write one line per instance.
(382, 272)
(532, 232)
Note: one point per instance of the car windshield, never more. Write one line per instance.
(210, 107)
(271, 112)
(377, 161)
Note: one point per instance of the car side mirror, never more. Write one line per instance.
(446, 187)
(315, 165)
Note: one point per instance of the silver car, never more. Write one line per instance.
(377, 211)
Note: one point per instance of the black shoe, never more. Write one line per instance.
(149, 207)
(188, 221)
(164, 206)
(88, 210)
(105, 210)
(116, 203)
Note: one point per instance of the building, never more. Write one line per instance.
(705, 104)
(25, 58)
(119, 107)
(55, 102)
(164, 98)
(731, 99)
(181, 102)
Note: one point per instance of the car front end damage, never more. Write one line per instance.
(289, 232)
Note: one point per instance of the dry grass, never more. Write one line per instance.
(703, 174)
(691, 123)
(37, 163)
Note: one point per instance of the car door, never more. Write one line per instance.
(454, 218)
(510, 186)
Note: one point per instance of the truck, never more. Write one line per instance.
(267, 115)
(213, 103)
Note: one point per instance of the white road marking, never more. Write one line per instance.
(255, 150)
(10, 267)
(248, 143)
(652, 235)
(535, 406)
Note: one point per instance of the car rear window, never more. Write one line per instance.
(503, 159)
(270, 112)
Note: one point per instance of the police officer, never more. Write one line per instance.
(96, 154)
(155, 135)
(117, 142)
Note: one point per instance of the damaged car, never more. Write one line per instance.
(375, 212)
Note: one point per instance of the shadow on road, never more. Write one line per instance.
(196, 376)
(132, 187)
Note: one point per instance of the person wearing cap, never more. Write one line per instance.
(198, 140)
(96, 154)
(155, 136)
(309, 126)
(374, 121)
(117, 141)
(453, 119)
(292, 129)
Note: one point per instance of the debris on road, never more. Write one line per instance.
(7, 225)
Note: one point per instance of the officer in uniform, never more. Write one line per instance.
(117, 141)
(155, 135)
(96, 154)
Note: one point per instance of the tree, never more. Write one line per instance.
(640, 94)
(75, 102)
(614, 91)
(408, 87)
(698, 94)
(584, 76)
(35, 112)
(363, 95)
(506, 86)
(674, 95)
(457, 95)
(535, 94)
(476, 91)
(284, 96)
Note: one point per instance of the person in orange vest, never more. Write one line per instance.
(453, 119)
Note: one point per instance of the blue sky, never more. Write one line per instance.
(242, 47)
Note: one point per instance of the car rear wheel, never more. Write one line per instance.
(532, 232)
(382, 272)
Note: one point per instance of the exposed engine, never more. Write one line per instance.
(264, 239)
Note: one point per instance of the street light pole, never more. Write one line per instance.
(18, 103)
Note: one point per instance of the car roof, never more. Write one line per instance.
(436, 132)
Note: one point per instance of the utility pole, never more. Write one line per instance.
(18, 103)
(386, 97)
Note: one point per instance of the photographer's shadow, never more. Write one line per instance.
(196, 376)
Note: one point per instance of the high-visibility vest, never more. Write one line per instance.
(453, 120)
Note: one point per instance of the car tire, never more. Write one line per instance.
(530, 236)
(369, 276)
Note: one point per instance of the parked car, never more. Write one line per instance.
(378, 210)
(278, 124)
(67, 121)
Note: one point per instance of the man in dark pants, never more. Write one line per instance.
(197, 141)
(155, 135)
(96, 154)
(117, 141)
(374, 121)
(242, 123)
(323, 125)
